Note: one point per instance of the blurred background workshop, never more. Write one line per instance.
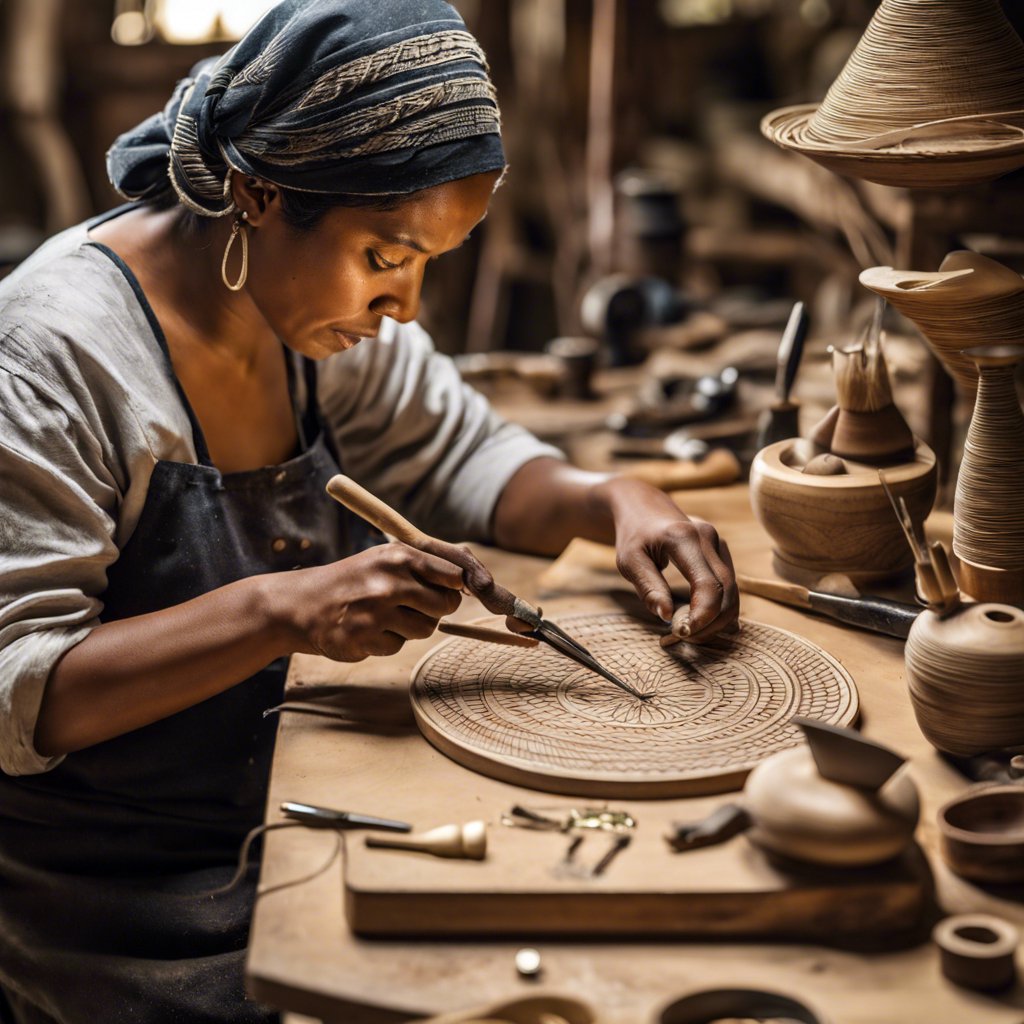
(766, 256)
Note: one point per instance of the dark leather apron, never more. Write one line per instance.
(102, 858)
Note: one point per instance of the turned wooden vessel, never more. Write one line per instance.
(971, 299)
(982, 833)
(841, 522)
(966, 678)
(545, 1009)
(988, 509)
(840, 801)
(799, 813)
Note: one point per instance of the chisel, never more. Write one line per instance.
(876, 614)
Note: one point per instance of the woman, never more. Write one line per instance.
(179, 380)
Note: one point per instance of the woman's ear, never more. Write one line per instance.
(255, 198)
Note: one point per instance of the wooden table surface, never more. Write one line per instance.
(303, 958)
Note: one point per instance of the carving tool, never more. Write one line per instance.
(325, 817)
(876, 614)
(467, 841)
(494, 597)
(780, 419)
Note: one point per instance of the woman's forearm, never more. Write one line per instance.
(132, 672)
(547, 503)
(129, 673)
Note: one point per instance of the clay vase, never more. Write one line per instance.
(840, 521)
(966, 678)
(988, 509)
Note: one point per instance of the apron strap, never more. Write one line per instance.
(198, 440)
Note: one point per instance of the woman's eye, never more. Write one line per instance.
(379, 263)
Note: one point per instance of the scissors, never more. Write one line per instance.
(494, 597)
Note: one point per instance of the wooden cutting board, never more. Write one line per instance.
(525, 887)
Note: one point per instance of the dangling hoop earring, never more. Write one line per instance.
(237, 230)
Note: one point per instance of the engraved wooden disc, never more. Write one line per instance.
(532, 717)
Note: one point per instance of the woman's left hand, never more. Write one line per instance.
(548, 502)
(651, 532)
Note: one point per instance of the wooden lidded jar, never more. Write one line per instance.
(966, 678)
(988, 509)
(841, 522)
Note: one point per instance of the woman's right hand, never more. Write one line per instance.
(368, 604)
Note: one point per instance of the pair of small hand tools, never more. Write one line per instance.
(494, 597)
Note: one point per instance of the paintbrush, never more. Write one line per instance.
(876, 614)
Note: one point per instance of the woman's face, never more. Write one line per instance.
(325, 289)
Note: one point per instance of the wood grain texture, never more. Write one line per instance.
(302, 955)
(838, 524)
(538, 720)
(730, 891)
(964, 673)
(970, 300)
(988, 508)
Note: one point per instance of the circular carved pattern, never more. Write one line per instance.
(536, 718)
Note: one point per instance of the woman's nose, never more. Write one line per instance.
(401, 301)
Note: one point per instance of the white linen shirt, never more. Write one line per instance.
(88, 407)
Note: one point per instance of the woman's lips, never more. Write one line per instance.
(347, 340)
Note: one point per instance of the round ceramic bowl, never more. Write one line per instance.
(532, 1010)
(982, 833)
(737, 1004)
(838, 524)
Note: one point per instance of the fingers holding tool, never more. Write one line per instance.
(714, 596)
(651, 532)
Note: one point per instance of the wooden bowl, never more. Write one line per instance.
(982, 833)
(737, 1004)
(838, 524)
(531, 1010)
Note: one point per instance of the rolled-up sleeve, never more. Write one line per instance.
(57, 502)
(408, 428)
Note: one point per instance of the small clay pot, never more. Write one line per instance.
(964, 673)
(842, 523)
(982, 834)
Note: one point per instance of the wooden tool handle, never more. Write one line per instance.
(717, 468)
(493, 636)
(494, 597)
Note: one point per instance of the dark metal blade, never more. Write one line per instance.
(561, 641)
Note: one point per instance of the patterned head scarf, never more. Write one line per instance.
(364, 97)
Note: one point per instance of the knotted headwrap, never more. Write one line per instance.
(365, 97)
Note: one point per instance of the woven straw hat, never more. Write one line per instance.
(932, 97)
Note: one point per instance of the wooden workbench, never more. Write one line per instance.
(304, 959)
